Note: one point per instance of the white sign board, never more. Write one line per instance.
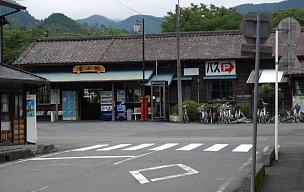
(191, 71)
(31, 121)
(219, 68)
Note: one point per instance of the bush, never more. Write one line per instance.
(192, 109)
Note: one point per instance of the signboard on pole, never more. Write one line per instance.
(31, 121)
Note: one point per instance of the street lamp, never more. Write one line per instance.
(136, 29)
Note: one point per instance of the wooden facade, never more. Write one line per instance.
(121, 54)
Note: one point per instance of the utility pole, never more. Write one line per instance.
(178, 67)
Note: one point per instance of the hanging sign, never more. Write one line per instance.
(89, 68)
(218, 68)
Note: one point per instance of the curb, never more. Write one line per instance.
(264, 159)
(15, 155)
(12, 153)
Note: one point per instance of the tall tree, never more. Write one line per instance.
(277, 16)
(203, 18)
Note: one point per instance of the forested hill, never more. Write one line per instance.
(267, 7)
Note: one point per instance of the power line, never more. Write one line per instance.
(148, 5)
(123, 6)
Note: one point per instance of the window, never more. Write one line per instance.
(43, 95)
(18, 105)
(221, 90)
(5, 115)
(134, 95)
(299, 87)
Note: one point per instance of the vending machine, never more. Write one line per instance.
(121, 105)
(106, 105)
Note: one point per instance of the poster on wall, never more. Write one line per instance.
(69, 105)
(31, 121)
(298, 100)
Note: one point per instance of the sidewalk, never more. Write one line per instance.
(287, 174)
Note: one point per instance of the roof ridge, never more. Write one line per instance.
(132, 36)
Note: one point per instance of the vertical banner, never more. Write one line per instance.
(69, 105)
(31, 122)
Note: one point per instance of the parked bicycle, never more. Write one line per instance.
(263, 114)
(185, 113)
(286, 117)
(298, 114)
(204, 114)
(239, 116)
(207, 114)
(225, 116)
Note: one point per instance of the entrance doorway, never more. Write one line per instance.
(90, 104)
(159, 100)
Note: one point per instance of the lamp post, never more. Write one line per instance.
(136, 29)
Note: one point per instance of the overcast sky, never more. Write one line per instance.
(118, 9)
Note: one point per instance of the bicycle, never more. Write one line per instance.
(225, 114)
(204, 114)
(185, 114)
(298, 114)
(239, 116)
(263, 114)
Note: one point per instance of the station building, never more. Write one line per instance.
(102, 77)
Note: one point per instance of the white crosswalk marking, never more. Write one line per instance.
(163, 147)
(216, 147)
(113, 147)
(242, 148)
(190, 147)
(141, 146)
(91, 147)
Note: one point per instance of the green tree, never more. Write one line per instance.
(277, 16)
(203, 18)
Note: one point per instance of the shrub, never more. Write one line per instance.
(192, 109)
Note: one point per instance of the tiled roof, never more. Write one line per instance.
(194, 46)
(14, 75)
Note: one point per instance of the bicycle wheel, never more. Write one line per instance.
(186, 118)
(267, 118)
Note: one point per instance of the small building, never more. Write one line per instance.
(14, 84)
(91, 76)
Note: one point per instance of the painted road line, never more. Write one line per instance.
(163, 147)
(143, 180)
(84, 157)
(141, 146)
(216, 147)
(190, 147)
(91, 147)
(242, 148)
(113, 147)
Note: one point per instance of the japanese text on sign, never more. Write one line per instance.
(217, 68)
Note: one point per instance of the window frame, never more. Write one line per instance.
(220, 90)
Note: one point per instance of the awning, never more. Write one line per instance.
(267, 76)
(130, 75)
(220, 77)
(161, 77)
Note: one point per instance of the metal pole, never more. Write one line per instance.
(143, 67)
(178, 70)
(256, 88)
(276, 127)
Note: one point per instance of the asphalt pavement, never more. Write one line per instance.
(286, 174)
